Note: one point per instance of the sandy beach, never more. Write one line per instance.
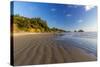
(46, 49)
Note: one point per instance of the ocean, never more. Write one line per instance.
(84, 40)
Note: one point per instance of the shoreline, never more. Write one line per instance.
(27, 33)
(45, 49)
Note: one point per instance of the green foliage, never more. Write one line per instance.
(75, 31)
(57, 30)
(32, 24)
(80, 31)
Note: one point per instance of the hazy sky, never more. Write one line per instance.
(64, 16)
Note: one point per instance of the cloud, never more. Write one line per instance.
(68, 15)
(80, 21)
(53, 9)
(88, 7)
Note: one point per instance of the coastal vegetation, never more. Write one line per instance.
(79, 30)
(36, 24)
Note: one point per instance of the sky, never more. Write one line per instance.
(64, 16)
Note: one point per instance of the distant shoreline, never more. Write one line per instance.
(27, 33)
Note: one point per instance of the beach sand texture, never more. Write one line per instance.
(45, 49)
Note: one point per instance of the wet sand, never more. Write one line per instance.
(33, 49)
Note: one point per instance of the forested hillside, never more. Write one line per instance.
(25, 24)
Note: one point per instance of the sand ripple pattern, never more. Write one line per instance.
(44, 49)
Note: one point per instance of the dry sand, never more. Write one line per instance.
(44, 49)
